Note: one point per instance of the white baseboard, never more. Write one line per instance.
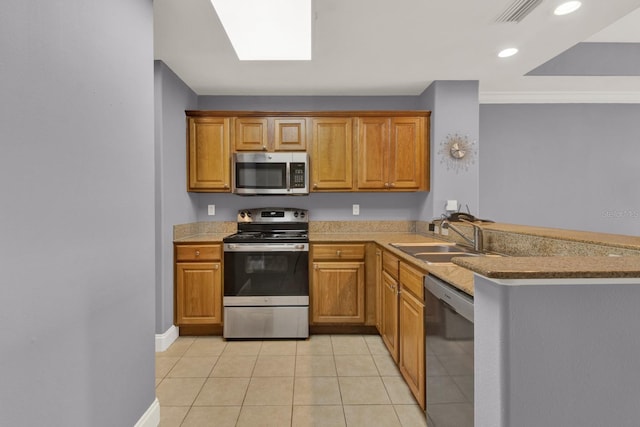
(163, 341)
(151, 417)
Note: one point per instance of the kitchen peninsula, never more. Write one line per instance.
(557, 340)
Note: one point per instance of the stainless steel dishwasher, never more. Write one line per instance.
(448, 325)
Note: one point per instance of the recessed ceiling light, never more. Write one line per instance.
(505, 53)
(568, 7)
(267, 30)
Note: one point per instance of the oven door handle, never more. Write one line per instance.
(268, 247)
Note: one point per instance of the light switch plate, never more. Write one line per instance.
(211, 210)
(356, 209)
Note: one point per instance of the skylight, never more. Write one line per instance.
(267, 30)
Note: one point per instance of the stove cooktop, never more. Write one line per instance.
(263, 225)
(266, 236)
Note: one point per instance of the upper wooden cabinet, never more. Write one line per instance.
(270, 134)
(391, 153)
(348, 150)
(251, 134)
(208, 156)
(331, 154)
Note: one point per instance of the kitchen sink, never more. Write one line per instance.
(440, 257)
(433, 253)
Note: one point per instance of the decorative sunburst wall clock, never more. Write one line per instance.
(457, 152)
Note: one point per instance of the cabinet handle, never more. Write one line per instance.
(226, 186)
(386, 185)
(264, 148)
(215, 267)
(315, 185)
(338, 252)
(393, 184)
(315, 266)
(197, 253)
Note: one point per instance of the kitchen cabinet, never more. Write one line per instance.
(378, 289)
(270, 134)
(389, 303)
(209, 162)
(411, 331)
(198, 284)
(391, 154)
(337, 290)
(349, 150)
(250, 134)
(331, 154)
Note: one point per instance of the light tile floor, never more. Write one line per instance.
(326, 380)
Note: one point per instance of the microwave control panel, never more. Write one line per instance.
(297, 177)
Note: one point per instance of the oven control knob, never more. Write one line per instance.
(249, 214)
(295, 214)
(302, 214)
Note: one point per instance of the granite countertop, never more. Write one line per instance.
(460, 272)
(202, 238)
(553, 267)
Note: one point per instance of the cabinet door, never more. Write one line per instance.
(198, 293)
(406, 153)
(379, 290)
(390, 314)
(412, 362)
(331, 154)
(373, 153)
(337, 292)
(251, 134)
(290, 134)
(209, 161)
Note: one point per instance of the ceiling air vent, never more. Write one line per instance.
(518, 10)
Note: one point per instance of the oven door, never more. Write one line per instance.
(266, 274)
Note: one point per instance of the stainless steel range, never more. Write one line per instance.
(266, 275)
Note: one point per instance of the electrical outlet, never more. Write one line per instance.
(211, 210)
(356, 209)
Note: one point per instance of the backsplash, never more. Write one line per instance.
(536, 241)
(362, 226)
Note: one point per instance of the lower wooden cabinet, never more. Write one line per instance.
(411, 331)
(402, 320)
(337, 290)
(411, 336)
(389, 321)
(198, 285)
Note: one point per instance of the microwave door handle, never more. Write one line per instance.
(288, 175)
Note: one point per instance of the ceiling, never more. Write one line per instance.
(376, 47)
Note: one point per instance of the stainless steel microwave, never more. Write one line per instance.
(271, 173)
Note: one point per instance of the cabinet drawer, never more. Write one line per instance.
(390, 264)
(198, 252)
(411, 280)
(338, 252)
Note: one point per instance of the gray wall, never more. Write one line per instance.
(570, 166)
(173, 204)
(454, 110)
(76, 221)
(557, 352)
(306, 103)
(322, 207)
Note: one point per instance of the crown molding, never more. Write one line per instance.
(559, 97)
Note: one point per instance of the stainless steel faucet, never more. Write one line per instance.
(478, 239)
